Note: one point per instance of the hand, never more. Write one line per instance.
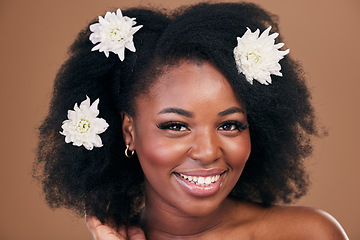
(102, 232)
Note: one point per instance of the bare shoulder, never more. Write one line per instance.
(303, 223)
(251, 221)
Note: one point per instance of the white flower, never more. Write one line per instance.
(114, 33)
(83, 126)
(258, 57)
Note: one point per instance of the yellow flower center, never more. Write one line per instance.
(117, 34)
(253, 57)
(83, 126)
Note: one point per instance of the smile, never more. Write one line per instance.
(201, 184)
(201, 181)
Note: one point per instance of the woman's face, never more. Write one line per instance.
(191, 137)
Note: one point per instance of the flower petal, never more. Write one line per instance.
(257, 57)
(82, 126)
(115, 33)
(130, 46)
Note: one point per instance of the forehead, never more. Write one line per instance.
(189, 76)
(189, 85)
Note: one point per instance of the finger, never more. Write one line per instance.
(103, 232)
(122, 231)
(92, 223)
(135, 233)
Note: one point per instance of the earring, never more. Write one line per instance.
(127, 153)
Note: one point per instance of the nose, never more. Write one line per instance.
(205, 146)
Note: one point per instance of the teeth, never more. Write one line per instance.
(208, 180)
(201, 181)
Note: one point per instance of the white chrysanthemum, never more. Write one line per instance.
(114, 33)
(258, 57)
(83, 127)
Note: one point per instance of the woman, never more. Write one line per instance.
(214, 133)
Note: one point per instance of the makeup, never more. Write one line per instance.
(201, 184)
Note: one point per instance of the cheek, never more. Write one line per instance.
(238, 152)
(160, 155)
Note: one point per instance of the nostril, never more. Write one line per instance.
(205, 145)
(206, 153)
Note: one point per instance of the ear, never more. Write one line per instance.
(128, 128)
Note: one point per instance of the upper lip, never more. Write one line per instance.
(202, 172)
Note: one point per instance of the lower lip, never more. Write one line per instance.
(198, 190)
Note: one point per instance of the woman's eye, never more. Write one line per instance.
(232, 126)
(177, 127)
(228, 127)
(173, 126)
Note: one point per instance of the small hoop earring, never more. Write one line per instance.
(127, 152)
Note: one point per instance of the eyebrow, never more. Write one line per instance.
(177, 111)
(189, 114)
(230, 111)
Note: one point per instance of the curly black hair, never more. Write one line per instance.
(103, 182)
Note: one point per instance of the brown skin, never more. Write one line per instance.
(256, 223)
(208, 134)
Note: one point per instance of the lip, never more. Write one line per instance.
(198, 190)
(202, 173)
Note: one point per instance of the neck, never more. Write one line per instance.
(165, 222)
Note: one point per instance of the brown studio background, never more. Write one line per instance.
(34, 39)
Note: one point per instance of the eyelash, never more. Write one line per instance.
(238, 125)
(176, 126)
(170, 126)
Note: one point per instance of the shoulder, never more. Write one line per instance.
(303, 223)
(252, 221)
